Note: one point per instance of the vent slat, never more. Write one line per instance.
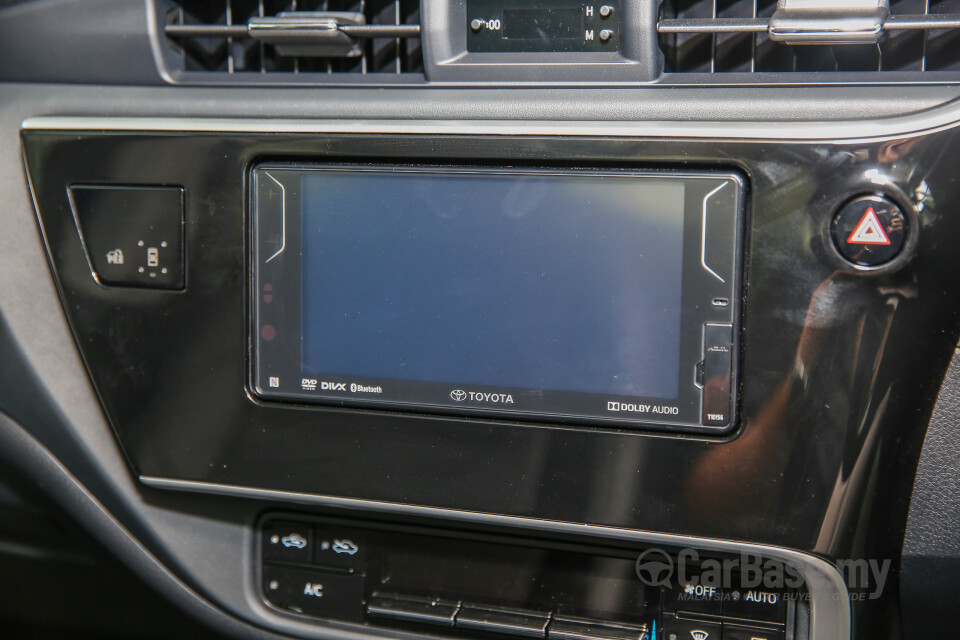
(738, 42)
(234, 53)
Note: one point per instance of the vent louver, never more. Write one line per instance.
(731, 36)
(220, 40)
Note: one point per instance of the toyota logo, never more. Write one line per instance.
(459, 395)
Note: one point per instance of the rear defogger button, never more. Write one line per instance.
(717, 369)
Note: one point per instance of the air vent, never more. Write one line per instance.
(737, 36)
(293, 41)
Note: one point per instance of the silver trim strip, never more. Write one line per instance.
(283, 219)
(829, 598)
(919, 22)
(703, 235)
(713, 25)
(938, 118)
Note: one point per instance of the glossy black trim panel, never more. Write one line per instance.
(838, 382)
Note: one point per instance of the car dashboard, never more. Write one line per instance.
(479, 319)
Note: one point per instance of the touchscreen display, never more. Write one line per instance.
(521, 291)
(539, 282)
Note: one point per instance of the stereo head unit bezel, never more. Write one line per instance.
(711, 265)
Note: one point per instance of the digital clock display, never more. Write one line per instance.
(546, 24)
(532, 26)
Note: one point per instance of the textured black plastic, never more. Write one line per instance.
(94, 41)
(930, 565)
(98, 504)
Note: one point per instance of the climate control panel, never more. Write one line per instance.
(467, 583)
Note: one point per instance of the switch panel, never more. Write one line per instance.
(133, 236)
(459, 586)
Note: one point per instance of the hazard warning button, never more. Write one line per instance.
(870, 230)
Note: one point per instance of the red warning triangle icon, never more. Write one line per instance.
(868, 230)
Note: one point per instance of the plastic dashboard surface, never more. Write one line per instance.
(831, 362)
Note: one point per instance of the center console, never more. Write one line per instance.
(486, 380)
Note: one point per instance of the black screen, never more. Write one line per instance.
(534, 282)
(547, 24)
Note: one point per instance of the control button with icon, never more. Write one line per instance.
(345, 546)
(294, 540)
(870, 231)
(680, 629)
(288, 541)
(339, 548)
(133, 236)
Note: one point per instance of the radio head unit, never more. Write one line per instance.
(574, 297)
